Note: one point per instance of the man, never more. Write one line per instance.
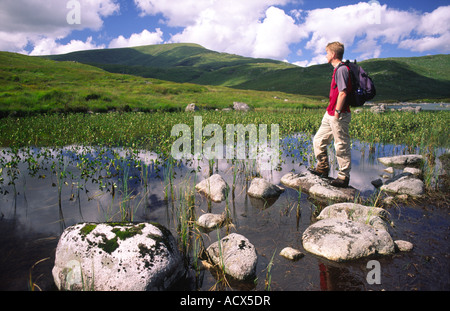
(335, 123)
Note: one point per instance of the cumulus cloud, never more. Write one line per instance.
(251, 28)
(42, 23)
(48, 46)
(144, 38)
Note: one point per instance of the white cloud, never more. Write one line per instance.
(250, 28)
(37, 22)
(144, 38)
(48, 46)
(435, 27)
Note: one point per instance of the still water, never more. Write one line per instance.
(60, 188)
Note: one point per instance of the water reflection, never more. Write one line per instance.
(49, 190)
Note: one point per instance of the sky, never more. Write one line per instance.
(295, 31)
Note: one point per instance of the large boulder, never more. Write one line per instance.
(117, 257)
(347, 231)
(236, 255)
(342, 239)
(405, 183)
(214, 187)
(261, 188)
(376, 217)
(318, 187)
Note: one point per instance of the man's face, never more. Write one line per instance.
(330, 56)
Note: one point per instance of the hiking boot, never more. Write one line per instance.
(323, 173)
(340, 183)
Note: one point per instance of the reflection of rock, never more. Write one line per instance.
(318, 187)
(236, 255)
(261, 203)
(260, 188)
(122, 257)
(410, 159)
(405, 183)
(210, 221)
(213, 187)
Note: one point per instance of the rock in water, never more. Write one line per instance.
(343, 239)
(210, 221)
(318, 187)
(117, 257)
(236, 255)
(409, 159)
(405, 183)
(214, 188)
(260, 188)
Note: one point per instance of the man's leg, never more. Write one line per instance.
(321, 141)
(342, 145)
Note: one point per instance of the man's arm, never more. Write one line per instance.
(340, 102)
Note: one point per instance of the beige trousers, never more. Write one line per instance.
(337, 129)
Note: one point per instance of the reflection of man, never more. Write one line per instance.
(335, 123)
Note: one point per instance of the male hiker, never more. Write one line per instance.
(335, 123)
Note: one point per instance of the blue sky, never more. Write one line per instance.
(291, 30)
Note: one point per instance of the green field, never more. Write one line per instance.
(37, 85)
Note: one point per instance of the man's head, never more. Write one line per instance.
(335, 51)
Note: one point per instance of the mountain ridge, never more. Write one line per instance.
(396, 79)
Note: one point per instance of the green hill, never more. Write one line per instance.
(396, 79)
(39, 85)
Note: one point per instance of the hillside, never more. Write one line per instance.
(39, 85)
(396, 79)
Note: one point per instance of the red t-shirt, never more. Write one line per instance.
(338, 84)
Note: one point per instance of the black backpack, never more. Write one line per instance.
(363, 86)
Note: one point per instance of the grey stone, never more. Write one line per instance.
(409, 159)
(403, 246)
(239, 106)
(210, 221)
(343, 239)
(214, 188)
(405, 183)
(117, 257)
(191, 107)
(261, 188)
(318, 187)
(291, 253)
(236, 255)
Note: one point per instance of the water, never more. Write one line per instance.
(39, 205)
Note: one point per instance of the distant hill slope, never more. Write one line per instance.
(31, 85)
(396, 79)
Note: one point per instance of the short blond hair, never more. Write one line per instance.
(337, 48)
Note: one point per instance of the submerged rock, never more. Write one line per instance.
(213, 187)
(117, 257)
(318, 187)
(260, 188)
(236, 255)
(405, 183)
(404, 160)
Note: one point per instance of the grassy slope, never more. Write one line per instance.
(396, 79)
(36, 85)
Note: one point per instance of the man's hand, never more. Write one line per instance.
(340, 102)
